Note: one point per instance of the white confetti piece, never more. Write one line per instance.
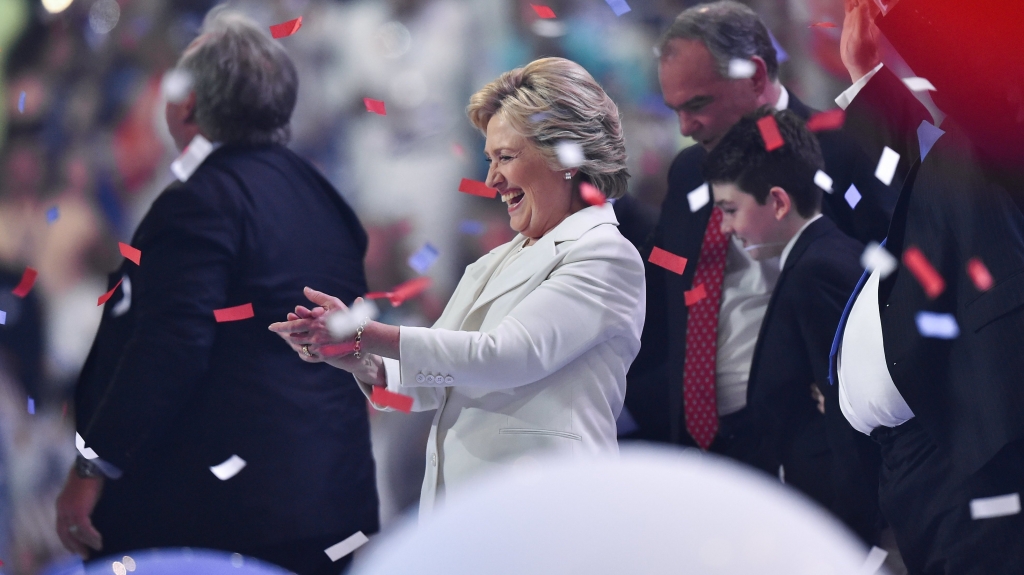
(86, 452)
(343, 323)
(875, 257)
(873, 562)
(887, 165)
(998, 506)
(852, 196)
(823, 181)
(176, 85)
(570, 154)
(741, 69)
(937, 325)
(699, 198)
(229, 468)
(350, 544)
(191, 158)
(919, 84)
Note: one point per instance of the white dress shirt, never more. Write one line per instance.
(792, 241)
(867, 395)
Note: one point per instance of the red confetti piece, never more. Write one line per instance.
(375, 106)
(770, 133)
(922, 269)
(285, 29)
(667, 260)
(830, 120)
(337, 349)
(386, 398)
(591, 195)
(979, 274)
(129, 252)
(28, 279)
(476, 188)
(103, 298)
(236, 313)
(543, 11)
(402, 292)
(695, 295)
(822, 25)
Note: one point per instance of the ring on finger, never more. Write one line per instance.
(305, 350)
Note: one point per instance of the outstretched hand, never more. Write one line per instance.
(306, 329)
(859, 43)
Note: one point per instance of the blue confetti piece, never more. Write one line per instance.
(21, 103)
(780, 54)
(618, 6)
(937, 325)
(52, 214)
(3, 317)
(472, 227)
(424, 258)
(852, 196)
(31, 406)
(927, 135)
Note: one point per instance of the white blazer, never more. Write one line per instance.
(527, 357)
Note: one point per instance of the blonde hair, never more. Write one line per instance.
(554, 100)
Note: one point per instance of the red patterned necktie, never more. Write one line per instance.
(699, 397)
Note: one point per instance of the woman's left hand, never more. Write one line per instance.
(306, 330)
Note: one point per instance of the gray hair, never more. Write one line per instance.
(728, 29)
(245, 84)
(554, 100)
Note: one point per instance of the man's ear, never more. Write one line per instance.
(781, 202)
(760, 77)
(189, 106)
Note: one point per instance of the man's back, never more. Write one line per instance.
(253, 225)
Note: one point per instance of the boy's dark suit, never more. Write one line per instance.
(167, 392)
(791, 353)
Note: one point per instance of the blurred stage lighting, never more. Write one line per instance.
(56, 6)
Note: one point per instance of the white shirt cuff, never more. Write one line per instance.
(844, 99)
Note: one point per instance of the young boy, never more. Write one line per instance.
(771, 203)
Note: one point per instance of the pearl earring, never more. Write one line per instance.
(568, 175)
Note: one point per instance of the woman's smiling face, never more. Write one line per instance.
(538, 197)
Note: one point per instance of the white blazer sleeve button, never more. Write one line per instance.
(449, 380)
(420, 378)
(430, 378)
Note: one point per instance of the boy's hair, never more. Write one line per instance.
(740, 158)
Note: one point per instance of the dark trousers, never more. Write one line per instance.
(927, 502)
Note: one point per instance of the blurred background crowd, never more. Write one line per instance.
(84, 150)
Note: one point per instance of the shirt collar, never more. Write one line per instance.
(792, 241)
(783, 102)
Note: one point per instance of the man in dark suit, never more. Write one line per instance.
(170, 391)
(770, 203)
(684, 383)
(945, 405)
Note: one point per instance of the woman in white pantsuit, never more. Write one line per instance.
(531, 352)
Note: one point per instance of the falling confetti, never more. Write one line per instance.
(852, 196)
(543, 11)
(823, 25)
(667, 260)
(21, 103)
(31, 406)
(424, 258)
(877, 258)
(591, 194)
(52, 214)
(350, 544)
(887, 165)
(3, 317)
(619, 7)
(919, 84)
(28, 279)
(106, 297)
(770, 133)
(823, 181)
(829, 120)
(570, 154)
(375, 106)
(998, 506)
(285, 29)
(385, 398)
(130, 253)
(476, 188)
(937, 325)
(229, 468)
(740, 69)
(343, 323)
(979, 274)
(922, 269)
(236, 313)
(927, 135)
(699, 197)
(472, 227)
(874, 561)
(695, 295)
(402, 292)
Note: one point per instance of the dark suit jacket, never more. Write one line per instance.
(965, 392)
(654, 394)
(167, 392)
(791, 353)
